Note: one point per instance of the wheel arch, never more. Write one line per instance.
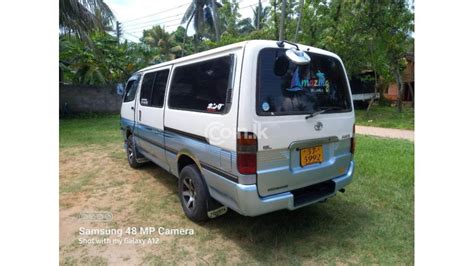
(186, 158)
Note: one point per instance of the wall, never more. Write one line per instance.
(87, 98)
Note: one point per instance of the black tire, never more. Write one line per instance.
(193, 193)
(132, 153)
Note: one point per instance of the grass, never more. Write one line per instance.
(386, 116)
(89, 130)
(372, 223)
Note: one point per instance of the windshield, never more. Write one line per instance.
(284, 88)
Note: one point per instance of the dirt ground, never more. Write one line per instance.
(386, 132)
(98, 179)
(355, 227)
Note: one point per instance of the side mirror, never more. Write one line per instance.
(298, 57)
(119, 89)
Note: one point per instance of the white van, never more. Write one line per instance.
(256, 126)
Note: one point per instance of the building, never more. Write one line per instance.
(408, 77)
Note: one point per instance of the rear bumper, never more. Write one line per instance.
(245, 200)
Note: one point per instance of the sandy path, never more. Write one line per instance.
(386, 132)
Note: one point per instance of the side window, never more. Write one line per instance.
(159, 88)
(131, 90)
(147, 86)
(202, 86)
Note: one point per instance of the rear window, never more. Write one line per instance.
(284, 88)
(203, 86)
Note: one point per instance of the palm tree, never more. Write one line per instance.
(260, 15)
(165, 42)
(77, 16)
(203, 13)
(245, 26)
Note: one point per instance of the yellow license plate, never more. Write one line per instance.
(311, 155)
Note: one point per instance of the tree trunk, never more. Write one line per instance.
(259, 10)
(275, 19)
(215, 20)
(375, 92)
(298, 23)
(400, 89)
(281, 36)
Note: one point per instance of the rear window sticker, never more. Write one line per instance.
(213, 107)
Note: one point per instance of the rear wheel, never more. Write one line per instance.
(132, 153)
(193, 194)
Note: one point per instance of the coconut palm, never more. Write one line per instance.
(204, 14)
(260, 15)
(164, 41)
(78, 16)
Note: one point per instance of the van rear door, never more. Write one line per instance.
(305, 119)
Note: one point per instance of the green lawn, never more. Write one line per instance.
(93, 129)
(371, 223)
(386, 116)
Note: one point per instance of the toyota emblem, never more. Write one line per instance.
(318, 126)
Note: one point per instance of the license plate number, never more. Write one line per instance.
(311, 155)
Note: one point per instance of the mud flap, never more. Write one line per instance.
(139, 157)
(215, 209)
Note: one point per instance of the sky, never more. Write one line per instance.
(137, 15)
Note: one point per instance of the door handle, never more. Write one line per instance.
(133, 108)
(139, 115)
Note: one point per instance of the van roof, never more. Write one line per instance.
(270, 43)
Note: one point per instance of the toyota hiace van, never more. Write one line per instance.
(256, 126)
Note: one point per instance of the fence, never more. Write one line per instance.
(86, 98)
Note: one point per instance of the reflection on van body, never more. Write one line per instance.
(244, 127)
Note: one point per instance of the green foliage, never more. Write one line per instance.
(229, 16)
(166, 44)
(82, 17)
(101, 61)
(365, 34)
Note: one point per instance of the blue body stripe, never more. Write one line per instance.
(157, 142)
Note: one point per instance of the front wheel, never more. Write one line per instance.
(193, 194)
(132, 153)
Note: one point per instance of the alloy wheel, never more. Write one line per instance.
(189, 193)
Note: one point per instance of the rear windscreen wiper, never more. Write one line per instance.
(321, 110)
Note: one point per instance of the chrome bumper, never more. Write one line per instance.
(245, 200)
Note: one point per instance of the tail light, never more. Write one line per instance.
(353, 142)
(246, 153)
